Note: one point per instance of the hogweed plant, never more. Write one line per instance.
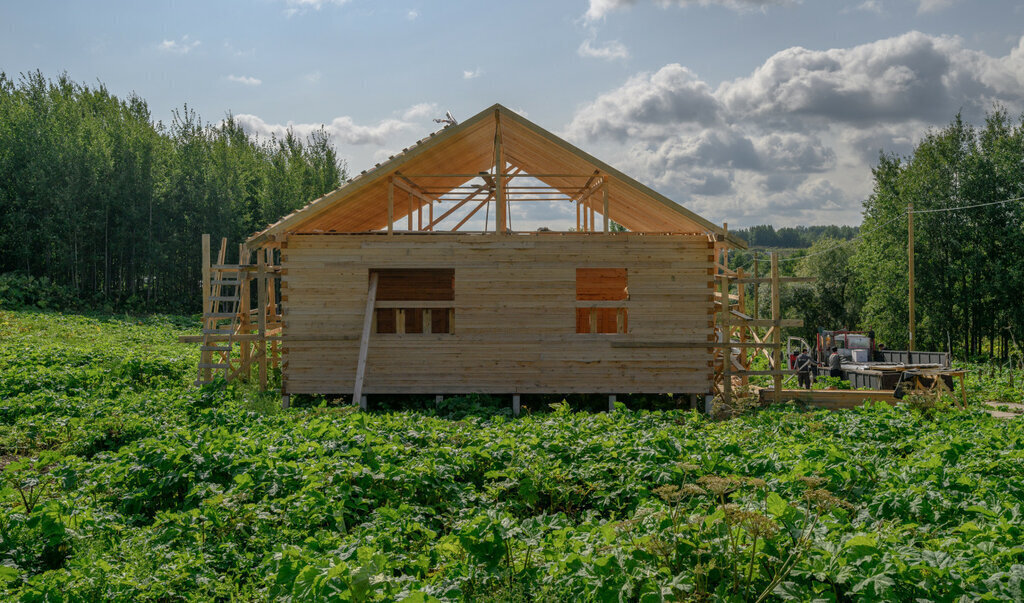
(739, 538)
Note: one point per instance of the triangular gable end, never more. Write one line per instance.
(457, 154)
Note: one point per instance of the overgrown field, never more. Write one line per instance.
(122, 482)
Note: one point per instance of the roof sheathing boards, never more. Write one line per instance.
(367, 209)
(361, 205)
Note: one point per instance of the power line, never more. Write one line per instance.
(931, 211)
(898, 217)
(846, 242)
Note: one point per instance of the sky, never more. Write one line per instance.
(745, 111)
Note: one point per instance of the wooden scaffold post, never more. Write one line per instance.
(776, 330)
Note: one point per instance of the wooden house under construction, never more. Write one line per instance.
(413, 278)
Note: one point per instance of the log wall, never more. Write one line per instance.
(515, 315)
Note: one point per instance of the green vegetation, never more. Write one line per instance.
(793, 237)
(100, 201)
(968, 264)
(122, 483)
(101, 207)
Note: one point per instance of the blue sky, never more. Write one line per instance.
(747, 111)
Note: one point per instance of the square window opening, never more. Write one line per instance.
(595, 289)
(414, 301)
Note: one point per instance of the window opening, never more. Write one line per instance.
(597, 290)
(415, 301)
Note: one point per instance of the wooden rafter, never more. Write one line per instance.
(474, 210)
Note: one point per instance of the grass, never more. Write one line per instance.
(123, 482)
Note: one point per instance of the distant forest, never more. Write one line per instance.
(103, 202)
(793, 237)
(106, 206)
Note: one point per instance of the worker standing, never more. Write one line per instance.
(835, 364)
(803, 369)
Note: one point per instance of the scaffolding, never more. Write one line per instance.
(739, 333)
(239, 331)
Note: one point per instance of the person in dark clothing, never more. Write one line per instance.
(803, 369)
(835, 364)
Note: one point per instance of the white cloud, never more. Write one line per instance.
(184, 45)
(645, 105)
(470, 75)
(793, 141)
(412, 14)
(245, 80)
(914, 75)
(931, 6)
(344, 131)
(609, 51)
(313, 77)
(300, 6)
(237, 52)
(868, 6)
(598, 9)
(420, 111)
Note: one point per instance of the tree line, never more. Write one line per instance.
(99, 198)
(969, 248)
(793, 237)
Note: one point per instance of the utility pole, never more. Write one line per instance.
(910, 263)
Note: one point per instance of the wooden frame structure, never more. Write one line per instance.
(231, 319)
(738, 333)
(506, 316)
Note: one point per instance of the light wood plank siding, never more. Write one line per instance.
(514, 315)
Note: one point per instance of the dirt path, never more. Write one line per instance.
(1004, 410)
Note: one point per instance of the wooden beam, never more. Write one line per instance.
(507, 176)
(777, 335)
(470, 214)
(741, 293)
(756, 284)
(910, 271)
(364, 342)
(784, 279)
(261, 319)
(726, 330)
(434, 223)
(409, 215)
(499, 176)
(391, 206)
(604, 194)
(763, 322)
(403, 182)
(689, 345)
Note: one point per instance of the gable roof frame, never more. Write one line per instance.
(348, 193)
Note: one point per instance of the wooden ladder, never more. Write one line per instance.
(220, 319)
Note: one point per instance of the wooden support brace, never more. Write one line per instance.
(371, 299)
(261, 318)
(604, 195)
(726, 331)
(777, 334)
(391, 206)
